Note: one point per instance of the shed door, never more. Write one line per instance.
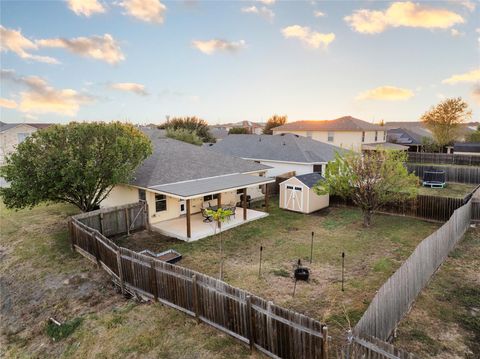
(293, 197)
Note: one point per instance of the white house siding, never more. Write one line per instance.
(9, 139)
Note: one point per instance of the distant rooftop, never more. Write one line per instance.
(6, 126)
(286, 148)
(346, 123)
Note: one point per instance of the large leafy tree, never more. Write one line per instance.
(191, 124)
(370, 180)
(273, 122)
(78, 163)
(445, 120)
(474, 136)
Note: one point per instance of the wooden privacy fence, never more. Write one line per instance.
(452, 173)
(425, 207)
(443, 158)
(475, 211)
(273, 330)
(372, 348)
(397, 294)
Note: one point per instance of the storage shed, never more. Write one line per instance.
(297, 194)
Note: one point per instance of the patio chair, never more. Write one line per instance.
(206, 217)
(232, 207)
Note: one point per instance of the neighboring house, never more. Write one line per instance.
(402, 136)
(254, 128)
(12, 134)
(472, 149)
(284, 153)
(297, 194)
(179, 179)
(345, 132)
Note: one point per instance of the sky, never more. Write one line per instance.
(226, 61)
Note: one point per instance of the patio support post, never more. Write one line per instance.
(219, 205)
(189, 225)
(244, 204)
(266, 197)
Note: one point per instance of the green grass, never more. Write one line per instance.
(58, 332)
(447, 313)
(455, 190)
(372, 255)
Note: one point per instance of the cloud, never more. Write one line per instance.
(103, 48)
(145, 10)
(406, 14)
(471, 76)
(456, 33)
(86, 7)
(262, 11)
(136, 88)
(14, 41)
(310, 38)
(7, 103)
(267, 2)
(39, 97)
(318, 13)
(469, 5)
(386, 93)
(210, 46)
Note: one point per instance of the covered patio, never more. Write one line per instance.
(199, 229)
(194, 226)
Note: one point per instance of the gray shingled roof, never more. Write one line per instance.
(175, 161)
(346, 123)
(310, 179)
(286, 148)
(212, 185)
(6, 126)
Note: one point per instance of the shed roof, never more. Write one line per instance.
(310, 179)
(346, 123)
(284, 148)
(204, 186)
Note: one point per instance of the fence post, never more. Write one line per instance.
(153, 279)
(196, 307)
(95, 245)
(120, 271)
(70, 231)
(101, 223)
(250, 321)
(127, 221)
(325, 342)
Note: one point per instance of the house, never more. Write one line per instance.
(12, 134)
(283, 153)
(179, 180)
(255, 128)
(345, 132)
(471, 149)
(297, 194)
(414, 140)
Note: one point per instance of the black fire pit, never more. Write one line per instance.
(301, 273)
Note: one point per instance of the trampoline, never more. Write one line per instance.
(434, 179)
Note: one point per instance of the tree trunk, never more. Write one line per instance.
(221, 256)
(367, 218)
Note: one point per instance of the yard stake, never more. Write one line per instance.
(311, 248)
(343, 269)
(260, 263)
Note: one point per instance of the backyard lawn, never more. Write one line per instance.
(445, 320)
(371, 256)
(42, 278)
(455, 190)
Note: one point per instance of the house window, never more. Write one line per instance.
(376, 136)
(330, 136)
(317, 168)
(22, 137)
(160, 202)
(142, 195)
(240, 191)
(210, 197)
(363, 136)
